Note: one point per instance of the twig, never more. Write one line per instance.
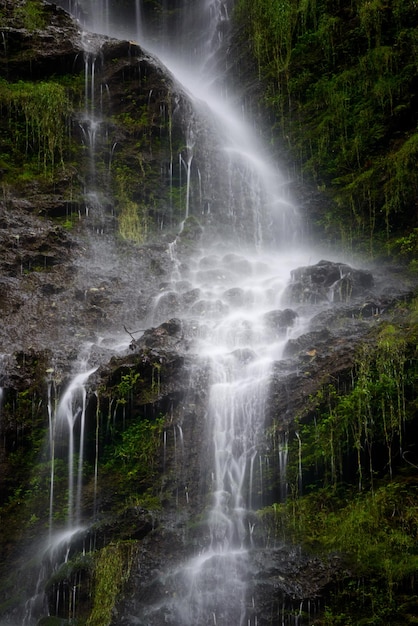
(131, 334)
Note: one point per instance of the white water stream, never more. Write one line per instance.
(237, 284)
(236, 291)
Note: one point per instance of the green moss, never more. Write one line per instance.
(402, 184)
(353, 432)
(137, 121)
(374, 536)
(352, 487)
(32, 15)
(38, 117)
(133, 458)
(112, 570)
(340, 83)
(68, 570)
(133, 217)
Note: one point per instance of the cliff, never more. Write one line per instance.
(94, 153)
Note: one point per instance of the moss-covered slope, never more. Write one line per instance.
(341, 81)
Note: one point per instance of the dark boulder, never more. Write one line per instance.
(55, 49)
(167, 336)
(279, 321)
(327, 282)
(244, 355)
(285, 580)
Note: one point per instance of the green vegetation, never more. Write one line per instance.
(128, 447)
(130, 439)
(137, 121)
(353, 485)
(38, 116)
(126, 387)
(112, 569)
(374, 537)
(69, 569)
(44, 139)
(341, 81)
(31, 14)
(133, 460)
(133, 218)
(373, 414)
(28, 14)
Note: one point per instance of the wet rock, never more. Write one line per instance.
(307, 344)
(165, 337)
(166, 305)
(280, 321)
(10, 299)
(133, 522)
(182, 286)
(215, 276)
(370, 309)
(203, 308)
(346, 319)
(235, 297)
(326, 282)
(244, 355)
(54, 49)
(351, 285)
(191, 296)
(283, 579)
(209, 261)
(237, 264)
(326, 352)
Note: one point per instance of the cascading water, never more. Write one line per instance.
(237, 280)
(238, 294)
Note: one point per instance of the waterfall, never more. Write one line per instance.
(235, 340)
(138, 18)
(238, 273)
(240, 280)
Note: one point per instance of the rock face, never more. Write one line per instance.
(328, 282)
(87, 253)
(60, 236)
(55, 48)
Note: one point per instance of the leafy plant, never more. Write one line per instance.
(133, 458)
(126, 386)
